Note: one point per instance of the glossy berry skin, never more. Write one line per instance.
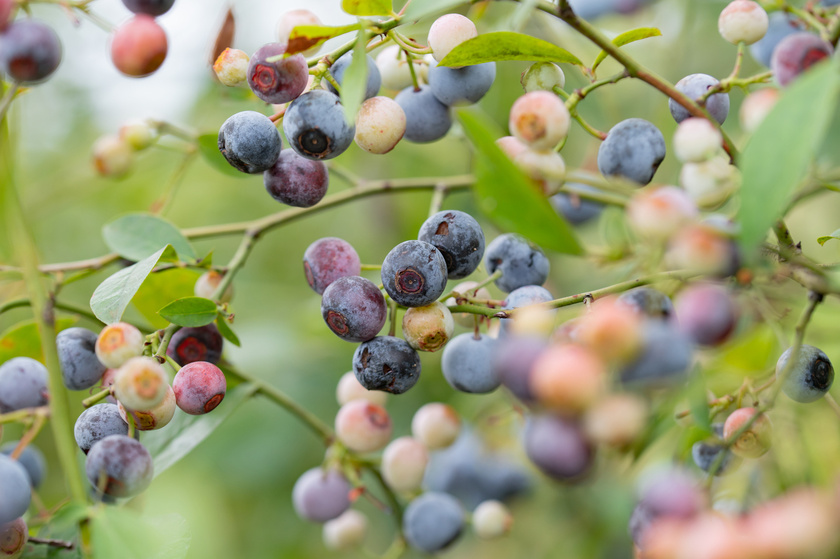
(458, 237)
(426, 118)
(374, 79)
(648, 302)
(320, 495)
(521, 262)
(576, 210)
(665, 356)
(119, 466)
(13, 538)
(810, 377)
(386, 363)
(32, 460)
(250, 142)
(795, 54)
(141, 384)
(96, 423)
(380, 125)
(15, 488)
(354, 308)
(30, 51)
(433, 521)
(447, 32)
(80, 368)
(414, 273)
(706, 454)
(634, 148)
(513, 361)
(199, 387)
(23, 384)
(539, 119)
(695, 86)
(277, 82)
(139, 46)
(436, 425)
(706, 314)
(363, 426)
(467, 364)
(296, 181)
(315, 125)
(461, 86)
(328, 259)
(780, 26)
(203, 343)
(557, 447)
(150, 7)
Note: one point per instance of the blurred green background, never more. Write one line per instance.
(234, 489)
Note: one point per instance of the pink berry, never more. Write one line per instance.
(756, 106)
(362, 426)
(112, 156)
(380, 124)
(706, 313)
(449, 31)
(139, 46)
(568, 378)
(539, 119)
(743, 21)
(117, 343)
(753, 442)
(199, 387)
(208, 282)
(511, 145)
(659, 212)
(328, 259)
(349, 389)
(436, 425)
(404, 463)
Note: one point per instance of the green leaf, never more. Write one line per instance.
(161, 288)
(367, 7)
(625, 38)
(825, 239)
(208, 147)
(506, 45)
(136, 236)
(508, 196)
(778, 155)
(226, 332)
(113, 295)
(354, 83)
(698, 403)
(419, 9)
(23, 340)
(186, 432)
(190, 312)
(304, 37)
(125, 533)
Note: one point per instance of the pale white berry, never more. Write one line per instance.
(696, 139)
(404, 463)
(491, 519)
(743, 21)
(345, 532)
(349, 389)
(449, 31)
(658, 213)
(539, 119)
(436, 425)
(380, 124)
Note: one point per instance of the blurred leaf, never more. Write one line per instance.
(191, 312)
(367, 7)
(354, 82)
(698, 403)
(506, 45)
(626, 38)
(781, 149)
(63, 525)
(160, 288)
(226, 332)
(508, 196)
(22, 339)
(304, 37)
(224, 38)
(113, 295)
(208, 146)
(419, 9)
(125, 533)
(823, 240)
(185, 432)
(136, 236)
(751, 352)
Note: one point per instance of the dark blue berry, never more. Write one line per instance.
(576, 210)
(250, 142)
(386, 363)
(374, 79)
(458, 237)
(29, 51)
(203, 343)
(467, 363)
(521, 262)
(296, 181)
(354, 308)
(316, 127)
(119, 466)
(96, 423)
(80, 367)
(32, 460)
(695, 86)
(706, 454)
(461, 86)
(150, 7)
(426, 118)
(634, 148)
(23, 384)
(522, 297)
(433, 521)
(414, 273)
(648, 302)
(665, 357)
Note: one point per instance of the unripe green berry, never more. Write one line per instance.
(137, 134)
(141, 384)
(345, 532)
(112, 156)
(491, 519)
(231, 67)
(696, 140)
(543, 76)
(154, 418)
(428, 328)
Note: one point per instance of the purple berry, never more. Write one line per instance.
(150, 7)
(119, 466)
(96, 423)
(514, 357)
(277, 82)
(414, 273)
(328, 259)
(30, 51)
(199, 387)
(354, 308)
(795, 54)
(557, 446)
(780, 26)
(321, 495)
(386, 363)
(296, 181)
(695, 86)
(706, 314)
(203, 343)
(458, 237)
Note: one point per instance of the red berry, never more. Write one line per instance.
(138, 46)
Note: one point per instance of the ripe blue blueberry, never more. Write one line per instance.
(96, 423)
(15, 489)
(634, 148)
(433, 521)
(32, 460)
(30, 51)
(461, 86)
(810, 376)
(119, 466)
(150, 7)
(706, 454)
(354, 308)
(296, 181)
(374, 79)
(414, 273)
(426, 118)
(558, 447)
(80, 368)
(458, 237)
(320, 495)
(648, 302)
(513, 360)
(277, 82)
(467, 363)
(695, 86)
(202, 343)
(781, 25)
(250, 142)
(665, 357)
(522, 297)
(576, 210)
(23, 384)
(386, 363)
(521, 262)
(316, 127)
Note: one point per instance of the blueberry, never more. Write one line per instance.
(315, 125)
(576, 210)
(354, 308)
(521, 262)
(32, 460)
(634, 148)
(458, 237)
(522, 297)
(203, 343)
(809, 378)
(795, 54)
(320, 495)
(414, 273)
(296, 181)
(150, 7)
(781, 25)
(706, 454)
(199, 387)
(467, 363)
(695, 86)
(80, 367)
(386, 363)
(374, 79)
(250, 142)
(15, 489)
(96, 423)
(426, 118)
(648, 302)
(433, 521)
(665, 357)
(557, 446)
(119, 466)
(706, 314)
(277, 82)
(461, 86)
(30, 51)
(328, 259)
(513, 360)
(23, 384)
